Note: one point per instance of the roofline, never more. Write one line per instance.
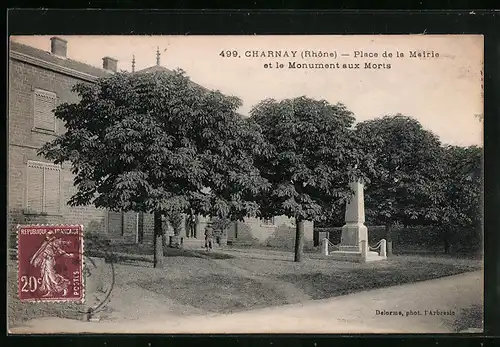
(109, 58)
(58, 38)
(51, 66)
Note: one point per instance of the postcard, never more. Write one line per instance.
(245, 184)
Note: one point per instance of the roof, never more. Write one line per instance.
(159, 68)
(51, 58)
(155, 68)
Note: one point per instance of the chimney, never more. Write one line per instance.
(58, 46)
(109, 64)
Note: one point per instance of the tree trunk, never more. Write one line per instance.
(446, 246)
(140, 238)
(158, 241)
(446, 242)
(388, 239)
(299, 240)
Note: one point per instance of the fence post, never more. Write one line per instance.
(383, 248)
(364, 250)
(325, 246)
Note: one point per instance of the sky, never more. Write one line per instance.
(442, 90)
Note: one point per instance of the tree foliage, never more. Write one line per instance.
(156, 142)
(406, 185)
(311, 156)
(461, 209)
(153, 142)
(175, 220)
(221, 224)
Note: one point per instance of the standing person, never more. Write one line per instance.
(209, 237)
(192, 225)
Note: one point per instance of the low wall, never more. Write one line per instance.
(279, 235)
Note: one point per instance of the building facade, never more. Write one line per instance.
(38, 190)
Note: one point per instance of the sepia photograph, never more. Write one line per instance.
(327, 184)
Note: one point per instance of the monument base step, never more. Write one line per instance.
(355, 256)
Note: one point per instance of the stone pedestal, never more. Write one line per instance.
(223, 240)
(354, 238)
(175, 241)
(324, 246)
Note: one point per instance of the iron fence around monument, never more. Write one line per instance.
(412, 239)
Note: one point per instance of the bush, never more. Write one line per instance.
(94, 241)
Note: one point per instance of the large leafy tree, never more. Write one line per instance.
(311, 156)
(461, 209)
(154, 142)
(405, 188)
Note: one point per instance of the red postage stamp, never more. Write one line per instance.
(50, 263)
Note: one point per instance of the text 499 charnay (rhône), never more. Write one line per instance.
(311, 54)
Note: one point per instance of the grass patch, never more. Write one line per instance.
(217, 293)
(470, 318)
(437, 252)
(176, 252)
(124, 253)
(342, 281)
(118, 258)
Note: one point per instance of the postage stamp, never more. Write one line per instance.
(50, 263)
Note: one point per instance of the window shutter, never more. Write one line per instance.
(44, 104)
(52, 190)
(44, 188)
(35, 187)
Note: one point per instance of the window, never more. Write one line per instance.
(43, 188)
(44, 105)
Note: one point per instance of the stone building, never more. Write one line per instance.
(38, 82)
(38, 190)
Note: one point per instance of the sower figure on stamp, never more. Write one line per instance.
(45, 258)
(209, 236)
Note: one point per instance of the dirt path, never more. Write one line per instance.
(355, 313)
(292, 293)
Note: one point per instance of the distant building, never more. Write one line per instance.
(38, 190)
